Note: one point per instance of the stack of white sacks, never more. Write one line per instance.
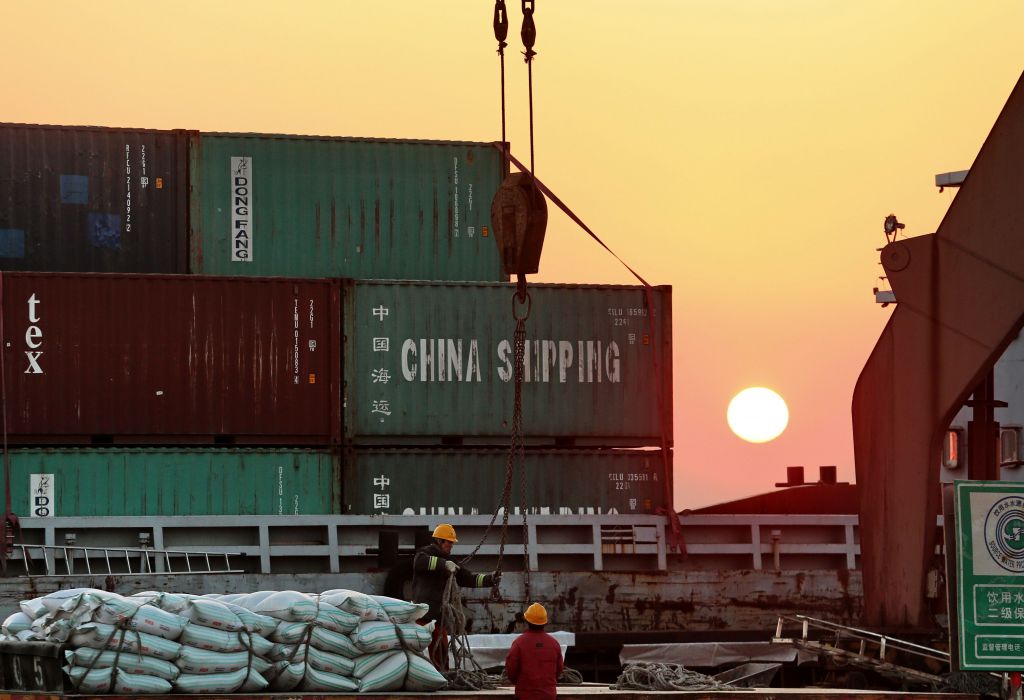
(337, 641)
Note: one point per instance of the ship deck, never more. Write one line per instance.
(585, 692)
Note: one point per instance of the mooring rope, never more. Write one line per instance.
(649, 676)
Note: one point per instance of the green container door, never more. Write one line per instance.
(113, 482)
(465, 482)
(429, 363)
(333, 207)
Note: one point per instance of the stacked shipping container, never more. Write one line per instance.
(176, 360)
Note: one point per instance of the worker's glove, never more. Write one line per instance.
(495, 577)
(450, 566)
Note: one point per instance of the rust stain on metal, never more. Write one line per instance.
(610, 598)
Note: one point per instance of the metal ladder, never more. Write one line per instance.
(147, 561)
(868, 650)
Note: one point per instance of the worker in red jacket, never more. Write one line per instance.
(534, 662)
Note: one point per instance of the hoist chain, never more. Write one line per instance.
(517, 449)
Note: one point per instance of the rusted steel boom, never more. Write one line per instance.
(960, 294)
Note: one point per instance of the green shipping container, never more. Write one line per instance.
(343, 207)
(166, 482)
(432, 364)
(466, 482)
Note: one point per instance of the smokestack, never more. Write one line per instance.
(794, 477)
(827, 474)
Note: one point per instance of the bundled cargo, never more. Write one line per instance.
(337, 641)
(343, 207)
(432, 363)
(123, 359)
(89, 199)
(558, 482)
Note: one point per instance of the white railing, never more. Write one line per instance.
(330, 544)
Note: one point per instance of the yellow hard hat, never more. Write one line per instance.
(536, 614)
(445, 531)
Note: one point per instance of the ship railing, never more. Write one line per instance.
(119, 560)
(572, 542)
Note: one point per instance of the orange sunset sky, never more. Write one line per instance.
(743, 151)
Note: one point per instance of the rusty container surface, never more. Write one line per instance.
(90, 199)
(166, 482)
(432, 364)
(471, 481)
(170, 359)
(343, 207)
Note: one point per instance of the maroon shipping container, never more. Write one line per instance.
(170, 359)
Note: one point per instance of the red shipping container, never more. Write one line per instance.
(170, 359)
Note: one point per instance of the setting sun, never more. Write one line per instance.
(757, 414)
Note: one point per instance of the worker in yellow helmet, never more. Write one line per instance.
(432, 566)
(534, 662)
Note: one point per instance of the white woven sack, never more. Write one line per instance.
(319, 681)
(361, 665)
(211, 613)
(290, 632)
(138, 616)
(333, 642)
(204, 661)
(98, 681)
(287, 605)
(250, 600)
(329, 663)
(34, 608)
(356, 603)
(254, 622)
(422, 677)
(232, 597)
(387, 675)
(288, 652)
(415, 637)
(373, 636)
(29, 636)
(129, 663)
(335, 619)
(220, 640)
(286, 676)
(171, 602)
(235, 681)
(53, 601)
(400, 610)
(17, 622)
(57, 631)
(100, 636)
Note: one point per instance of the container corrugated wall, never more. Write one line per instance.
(335, 207)
(162, 359)
(163, 482)
(87, 199)
(431, 363)
(467, 481)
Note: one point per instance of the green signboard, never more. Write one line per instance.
(990, 575)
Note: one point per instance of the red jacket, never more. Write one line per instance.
(534, 664)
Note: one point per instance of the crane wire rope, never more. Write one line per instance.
(676, 540)
(517, 451)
